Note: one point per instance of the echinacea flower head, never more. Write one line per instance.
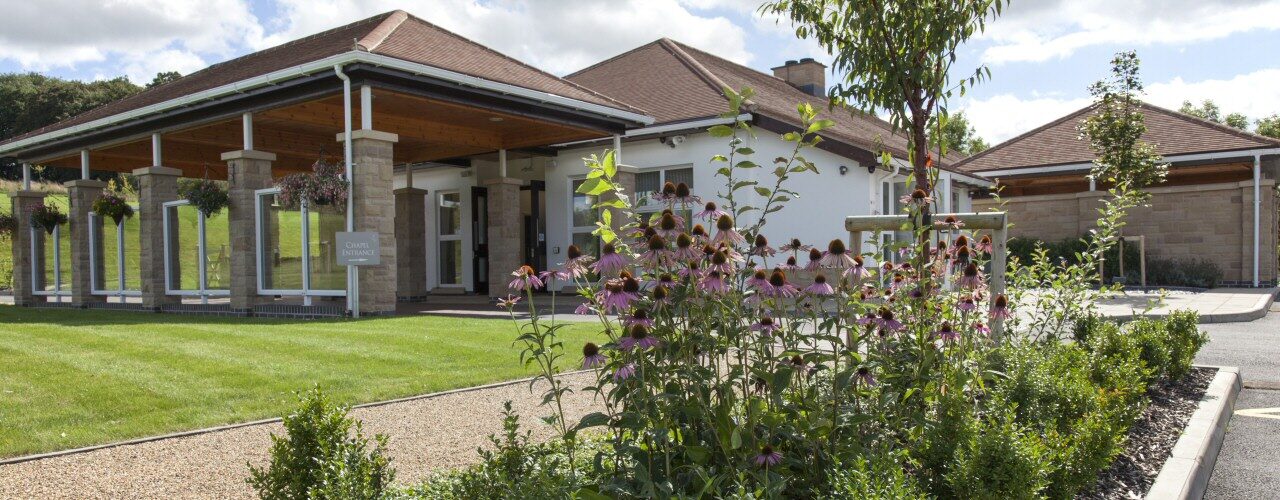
(865, 377)
(577, 263)
(684, 195)
(887, 322)
(790, 265)
(971, 277)
(509, 302)
(668, 226)
(946, 333)
(713, 282)
(610, 261)
(624, 372)
(591, 357)
(667, 193)
(765, 325)
(820, 286)
(967, 304)
(795, 246)
(759, 280)
(554, 274)
(685, 250)
(961, 241)
(918, 197)
(720, 261)
(661, 294)
(1000, 308)
(710, 212)
(726, 233)
(984, 244)
(837, 255)
(779, 286)
(699, 233)
(982, 328)
(584, 308)
(638, 338)
(657, 255)
(858, 270)
(768, 457)
(962, 256)
(951, 222)
(815, 259)
(525, 279)
(760, 247)
(638, 317)
(868, 319)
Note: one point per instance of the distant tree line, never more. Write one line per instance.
(1209, 110)
(29, 101)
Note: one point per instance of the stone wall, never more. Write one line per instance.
(505, 245)
(82, 194)
(1208, 221)
(156, 186)
(23, 202)
(247, 171)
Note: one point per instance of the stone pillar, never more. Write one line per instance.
(81, 194)
(24, 262)
(156, 186)
(247, 171)
(505, 242)
(374, 209)
(411, 243)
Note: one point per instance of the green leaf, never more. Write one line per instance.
(735, 439)
(720, 131)
(746, 164)
(609, 165)
(595, 187)
(819, 125)
(745, 151)
(763, 191)
(594, 419)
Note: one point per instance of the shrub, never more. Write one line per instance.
(999, 460)
(320, 457)
(207, 196)
(1166, 347)
(8, 224)
(1185, 340)
(112, 206)
(1198, 273)
(882, 475)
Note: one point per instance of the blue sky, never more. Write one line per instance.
(1042, 53)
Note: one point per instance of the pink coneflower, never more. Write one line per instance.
(619, 293)
(638, 338)
(779, 286)
(726, 233)
(713, 282)
(667, 193)
(865, 377)
(760, 247)
(765, 326)
(790, 265)
(1000, 308)
(624, 372)
(820, 286)
(886, 321)
(509, 302)
(767, 457)
(638, 317)
(898, 281)
(858, 271)
(967, 304)
(961, 241)
(584, 308)
(577, 264)
(795, 246)
(610, 261)
(918, 197)
(760, 281)
(661, 295)
(683, 195)
(951, 222)
(868, 319)
(971, 277)
(692, 271)
(710, 212)
(946, 333)
(699, 234)
(525, 279)
(667, 226)
(685, 250)
(962, 256)
(982, 329)
(591, 357)
(984, 244)
(720, 262)
(657, 255)
(815, 260)
(837, 256)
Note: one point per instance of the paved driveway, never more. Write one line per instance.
(1247, 466)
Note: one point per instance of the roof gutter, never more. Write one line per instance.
(1070, 167)
(326, 65)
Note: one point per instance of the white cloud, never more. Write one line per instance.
(142, 34)
(557, 36)
(1003, 116)
(1054, 29)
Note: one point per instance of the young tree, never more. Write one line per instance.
(956, 134)
(896, 56)
(1269, 126)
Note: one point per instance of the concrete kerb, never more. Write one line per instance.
(1257, 311)
(208, 430)
(1185, 475)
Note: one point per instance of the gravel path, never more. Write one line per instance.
(425, 435)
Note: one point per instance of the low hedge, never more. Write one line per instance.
(1197, 273)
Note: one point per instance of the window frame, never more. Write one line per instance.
(455, 236)
(306, 292)
(96, 223)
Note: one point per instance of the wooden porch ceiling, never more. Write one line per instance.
(300, 133)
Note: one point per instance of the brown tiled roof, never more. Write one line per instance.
(674, 82)
(1059, 143)
(394, 34)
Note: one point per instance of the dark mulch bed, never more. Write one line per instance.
(1152, 438)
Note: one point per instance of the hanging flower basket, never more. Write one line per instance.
(207, 196)
(323, 187)
(47, 217)
(8, 224)
(113, 206)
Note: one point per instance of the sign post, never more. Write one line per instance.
(354, 250)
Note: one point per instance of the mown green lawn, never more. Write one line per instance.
(72, 378)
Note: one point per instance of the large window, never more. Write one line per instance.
(115, 256)
(296, 249)
(449, 232)
(197, 252)
(583, 220)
